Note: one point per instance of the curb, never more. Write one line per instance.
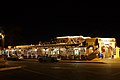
(89, 62)
(70, 61)
(10, 68)
(82, 62)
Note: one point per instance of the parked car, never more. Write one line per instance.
(48, 59)
(15, 58)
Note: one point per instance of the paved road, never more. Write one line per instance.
(32, 70)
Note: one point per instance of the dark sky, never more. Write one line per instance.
(31, 25)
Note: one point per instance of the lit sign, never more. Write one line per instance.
(106, 40)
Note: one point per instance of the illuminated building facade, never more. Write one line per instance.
(73, 47)
(106, 46)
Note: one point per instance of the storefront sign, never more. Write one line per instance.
(106, 40)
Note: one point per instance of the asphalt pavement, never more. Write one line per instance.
(7, 66)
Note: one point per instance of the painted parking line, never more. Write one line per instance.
(10, 68)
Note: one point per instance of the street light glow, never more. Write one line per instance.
(1, 34)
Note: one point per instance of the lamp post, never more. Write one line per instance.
(2, 37)
(3, 40)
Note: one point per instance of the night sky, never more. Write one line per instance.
(31, 25)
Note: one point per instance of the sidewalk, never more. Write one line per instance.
(83, 61)
(4, 65)
(111, 61)
(10, 68)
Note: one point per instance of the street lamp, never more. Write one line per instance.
(3, 40)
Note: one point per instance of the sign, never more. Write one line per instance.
(106, 40)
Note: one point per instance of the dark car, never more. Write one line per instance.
(48, 59)
(15, 58)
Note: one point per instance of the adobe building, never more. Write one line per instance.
(73, 47)
(106, 46)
